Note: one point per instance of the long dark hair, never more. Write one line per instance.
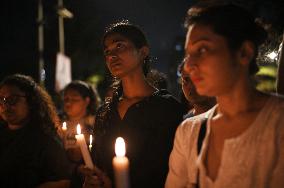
(233, 22)
(138, 38)
(41, 107)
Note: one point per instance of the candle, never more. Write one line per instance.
(120, 164)
(64, 130)
(64, 126)
(84, 149)
(91, 141)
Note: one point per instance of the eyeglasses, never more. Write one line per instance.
(11, 100)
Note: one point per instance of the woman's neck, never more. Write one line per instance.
(199, 109)
(136, 87)
(240, 100)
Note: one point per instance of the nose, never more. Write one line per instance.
(4, 107)
(190, 64)
(111, 57)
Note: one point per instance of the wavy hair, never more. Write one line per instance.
(42, 110)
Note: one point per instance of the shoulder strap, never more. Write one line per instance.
(201, 135)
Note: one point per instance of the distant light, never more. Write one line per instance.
(178, 47)
(42, 75)
(272, 55)
(63, 12)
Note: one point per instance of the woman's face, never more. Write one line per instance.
(212, 67)
(122, 57)
(14, 108)
(189, 90)
(74, 104)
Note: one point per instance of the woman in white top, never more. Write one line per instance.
(243, 145)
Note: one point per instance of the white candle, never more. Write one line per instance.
(120, 164)
(84, 149)
(91, 141)
(64, 130)
(64, 126)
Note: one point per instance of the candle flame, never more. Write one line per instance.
(64, 126)
(91, 139)
(78, 129)
(120, 147)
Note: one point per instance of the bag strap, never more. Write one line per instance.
(201, 135)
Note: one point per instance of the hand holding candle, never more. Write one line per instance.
(120, 164)
(84, 149)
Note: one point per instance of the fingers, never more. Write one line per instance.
(98, 172)
(85, 171)
(95, 178)
(103, 177)
(92, 182)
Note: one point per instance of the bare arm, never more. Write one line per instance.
(177, 175)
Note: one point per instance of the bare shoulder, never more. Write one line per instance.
(275, 112)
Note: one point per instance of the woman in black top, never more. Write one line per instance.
(143, 115)
(31, 153)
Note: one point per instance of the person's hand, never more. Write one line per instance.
(55, 184)
(95, 178)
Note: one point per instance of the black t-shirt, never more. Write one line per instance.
(148, 129)
(29, 157)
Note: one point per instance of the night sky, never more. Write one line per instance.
(161, 20)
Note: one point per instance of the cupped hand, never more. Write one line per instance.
(95, 178)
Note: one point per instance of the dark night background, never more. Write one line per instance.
(161, 20)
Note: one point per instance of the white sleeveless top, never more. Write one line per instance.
(253, 159)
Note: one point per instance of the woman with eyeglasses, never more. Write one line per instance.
(31, 154)
(143, 115)
(242, 144)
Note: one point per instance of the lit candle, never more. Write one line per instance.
(64, 126)
(120, 164)
(91, 141)
(84, 149)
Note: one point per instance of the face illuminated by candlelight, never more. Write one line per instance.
(120, 147)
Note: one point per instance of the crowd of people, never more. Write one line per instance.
(229, 134)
